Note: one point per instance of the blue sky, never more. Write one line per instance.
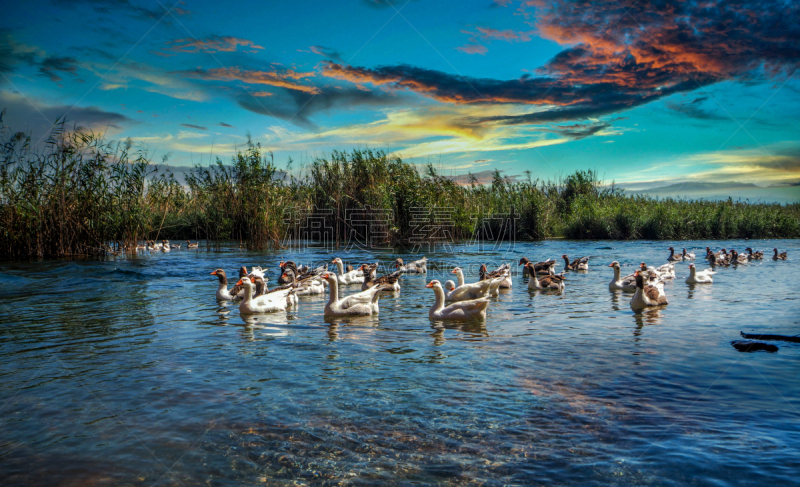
(646, 94)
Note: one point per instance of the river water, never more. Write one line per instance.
(126, 371)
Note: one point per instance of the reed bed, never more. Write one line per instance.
(78, 194)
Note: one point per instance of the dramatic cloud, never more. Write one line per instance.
(275, 77)
(14, 54)
(297, 106)
(620, 55)
(190, 126)
(326, 52)
(473, 49)
(212, 44)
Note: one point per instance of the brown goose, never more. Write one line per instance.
(551, 281)
(687, 255)
(581, 264)
(222, 291)
(737, 259)
(715, 259)
(190, 245)
(781, 256)
(390, 281)
(502, 271)
(540, 267)
(757, 255)
(672, 257)
(647, 295)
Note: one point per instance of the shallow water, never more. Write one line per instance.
(127, 372)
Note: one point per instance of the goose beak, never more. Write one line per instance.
(610, 265)
(214, 273)
(325, 276)
(430, 284)
(239, 282)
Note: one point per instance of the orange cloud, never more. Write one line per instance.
(473, 49)
(280, 79)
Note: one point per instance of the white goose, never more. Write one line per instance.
(494, 285)
(266, 303)
(702, 277)
(462, 310)
(352, 277)
(416, 267)
(647, 295)
(364, 303)
(663, 273)
(477, 290)
(552, 281)
(619, 283)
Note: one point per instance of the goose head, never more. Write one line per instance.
(449, 285)
(523, 261)
(639, 279)
(260, 286)
(456, 270)
(247, 283)
(671, 249)
(434, 284)
(398, 262)
(614, 264)
(336, 261)
(243, 271)
(220, 273)
(643, 266)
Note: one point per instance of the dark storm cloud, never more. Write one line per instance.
(694, 109)
(190, 126)
(28, 115)
(621, 54)
(297, 106)
(51, 65)
(581, 130)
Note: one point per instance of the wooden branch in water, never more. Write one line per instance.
(756, 336)
(751, 346)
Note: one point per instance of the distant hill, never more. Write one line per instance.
(788, 193)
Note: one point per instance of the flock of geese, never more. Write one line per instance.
(458, 300)
(164, 246)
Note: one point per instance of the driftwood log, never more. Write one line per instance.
(751, 346)
(756, 336)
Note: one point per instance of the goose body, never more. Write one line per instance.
(503, 271)
(553, 281)
(541, 268)
(701, 277)
(391, 281)
(672, 257)
(190, 245)
(493, 285)
(627, 283)
(581, 264)
(461, 310)
(354, 276)
(738, 259)
(687, 255)
(647, 295)
(781, 256)
(265, 303)
(757, 255)
(364, 303)
(165, 245)
(417, 267)
(476, 290)
(222, 293)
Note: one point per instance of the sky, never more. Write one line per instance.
(648, 93)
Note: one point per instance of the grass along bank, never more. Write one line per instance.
(81, 195)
